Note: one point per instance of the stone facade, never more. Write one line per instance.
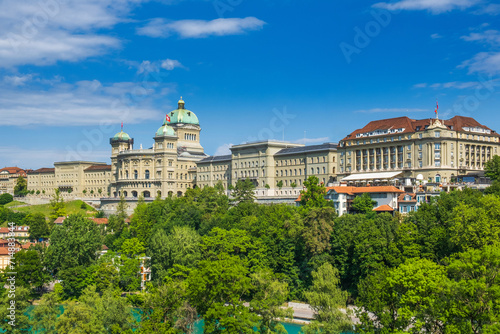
(8, 179)
(168, 168)
(428, 150)
(72, 178)
(277, 169)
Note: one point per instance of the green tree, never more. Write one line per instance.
(363, 204)
(244, 191)
(132, 247)
(57, 207)
(20, 299)
(181, 247)
(318, 227)
(130, 279)
(268, 296)
(44, 316)
(31, 272)
(95, 314)
(473, 292)
(39, 227)
(6, 198)
(279, 184)
(475, 226)
(166, 309)
(216, 289)
(73, 244)
(314, 195)
(492, 168)
(326, 299)
(21, 187)
(392, 300)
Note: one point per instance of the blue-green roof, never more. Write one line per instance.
(121, 136)
(165, 130)
(182, 116)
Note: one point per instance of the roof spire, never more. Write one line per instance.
(180, 104)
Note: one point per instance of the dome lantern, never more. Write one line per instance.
(180, 104)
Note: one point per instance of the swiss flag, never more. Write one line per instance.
(167, 118)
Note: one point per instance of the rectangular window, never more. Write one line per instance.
(420, 135)
(437, 134)
(437, 146)
(420, 163)
(409, 147)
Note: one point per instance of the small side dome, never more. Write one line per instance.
(165, 130)
(121, 136)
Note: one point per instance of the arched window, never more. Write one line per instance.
(134, 193)
(136, 175)
(126, 174)
(146, 194)
(146, 174)
(312, 170)
(125, 194)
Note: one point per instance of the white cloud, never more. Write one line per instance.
(436, 36)
(483, 62)
(223, 149)
(434, 6)
(44, 32)
(456, 84)
(200, 28)
(398, 110)
(491, 37)
(18, 80)
(307, 141)
(84, 103)
(148, 66)
(170, 64)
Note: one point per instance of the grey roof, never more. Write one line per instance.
(307, 149)
(216, 158)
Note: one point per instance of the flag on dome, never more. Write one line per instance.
(437, 107)
(167, 118)
(122, 125)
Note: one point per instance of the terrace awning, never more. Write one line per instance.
(371, 176)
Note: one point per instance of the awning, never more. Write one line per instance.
(371, 176)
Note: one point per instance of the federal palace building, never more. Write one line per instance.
(399, 151)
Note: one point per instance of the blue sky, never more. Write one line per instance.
(71, 71)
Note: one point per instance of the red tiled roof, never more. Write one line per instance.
(43, 170)
(4, 251)
(98, 167)
(383, 208)
(104, 247)
(13, 170)
(362, 190)
(401, 198)
(100, 221)
(456, 123)
(59, 220)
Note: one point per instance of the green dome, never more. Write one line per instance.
(121, 136)
(181, 115)
(165, 130)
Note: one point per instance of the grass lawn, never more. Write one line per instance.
(71, 207)
(13, 203)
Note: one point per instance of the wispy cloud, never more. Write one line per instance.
(433, 6)
(307, 141)
(148, 66)
(436, 36)
(388, 110)
(223, 149)
(491, 37)
(45, 32)
(18, 80)
(483, 62)
(456, 84)
(82, 103)
(200, 28)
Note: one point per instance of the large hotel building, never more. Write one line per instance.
(427, 150)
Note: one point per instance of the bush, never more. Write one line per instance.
(6, 198)
(83, 206)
